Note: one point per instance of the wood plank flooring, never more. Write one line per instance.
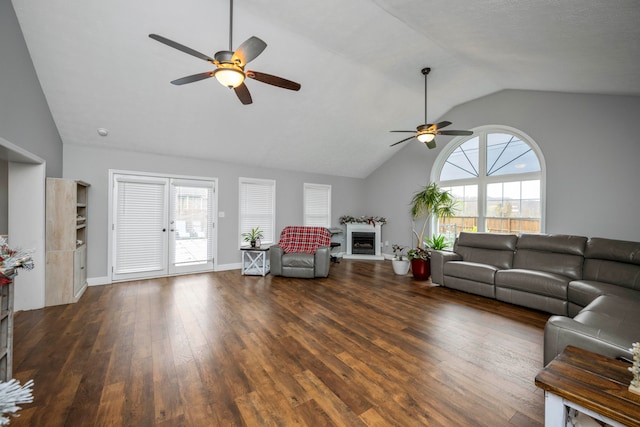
(361, 348)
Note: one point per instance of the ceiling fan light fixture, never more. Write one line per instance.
(426, 137)
(229, 76)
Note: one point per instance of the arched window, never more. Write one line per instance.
(497, 176)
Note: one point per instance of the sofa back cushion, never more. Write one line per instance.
(553, 253)
(613, 261)
(487, 248)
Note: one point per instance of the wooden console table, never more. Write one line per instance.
(590, 383)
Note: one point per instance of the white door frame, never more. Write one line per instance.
(110, 221)
(26, 220)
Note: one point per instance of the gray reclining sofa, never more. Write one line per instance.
(591, 286)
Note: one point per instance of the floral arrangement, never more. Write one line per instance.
(11, 259)
(12, 394)
(419, 253)
(373, 220)
(635, 368)
(398, 251)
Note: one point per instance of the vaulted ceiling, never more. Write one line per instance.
(358, 62)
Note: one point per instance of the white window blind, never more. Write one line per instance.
(317, 205)
(257, 208)
(141, 218)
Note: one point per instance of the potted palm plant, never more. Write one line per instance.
(399, 262)
(253, 237)
(425, 204)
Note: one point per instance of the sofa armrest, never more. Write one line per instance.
(275, 259)
(561, 331)
(322, 261)
(438, 259)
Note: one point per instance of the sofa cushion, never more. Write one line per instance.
(470, 270)
(582, 292)
(486, 248)
(298, 260)
(613, 250)
(613, 261)
(552, 253)
(533, 281)
(617, 273)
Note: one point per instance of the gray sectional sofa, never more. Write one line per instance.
(591, 286)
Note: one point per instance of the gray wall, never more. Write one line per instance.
(590, 144)
(4, 197)
(25, 119)
(92, 165)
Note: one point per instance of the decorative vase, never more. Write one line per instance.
(253, 243)
(421, 268)
(400, 266)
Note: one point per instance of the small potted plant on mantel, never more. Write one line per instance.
(399, 262)
(425, 204)
(253, 237)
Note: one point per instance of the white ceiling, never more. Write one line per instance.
(358, 62)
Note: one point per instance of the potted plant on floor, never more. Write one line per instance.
(425, 204)
(399, 262)
(253, 237)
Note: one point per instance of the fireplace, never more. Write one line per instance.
(363, 241)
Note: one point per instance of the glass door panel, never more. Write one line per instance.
(191, 226)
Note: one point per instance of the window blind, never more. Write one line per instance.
(257, 208)
(317, 205)
(141, 217)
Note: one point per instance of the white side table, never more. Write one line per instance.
(255, 261)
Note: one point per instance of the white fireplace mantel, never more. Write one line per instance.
(359, 227)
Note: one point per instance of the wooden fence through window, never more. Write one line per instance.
(493, 225)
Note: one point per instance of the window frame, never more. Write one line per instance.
(327, 188)
(482, 181)
(269, 184)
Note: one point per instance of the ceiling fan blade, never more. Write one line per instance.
(399, 142)
(404, 131)
(243, 94)
(273, 80)
(181, 47)
(455, 132)
(442, 124)
(249, 50)
(192, 78)
(431, 144)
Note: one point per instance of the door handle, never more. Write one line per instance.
(164, 229)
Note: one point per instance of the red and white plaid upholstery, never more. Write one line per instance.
(295, 238)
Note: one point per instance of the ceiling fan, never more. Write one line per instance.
(230, 65)
(427, 132)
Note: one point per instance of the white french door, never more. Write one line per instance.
(191, 226)
(161, 226)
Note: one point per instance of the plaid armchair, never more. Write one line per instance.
(301, 252)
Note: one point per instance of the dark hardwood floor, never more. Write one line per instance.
(362, 347)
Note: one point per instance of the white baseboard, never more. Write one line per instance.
(97, 281)
(225, 267)
(106, 280)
